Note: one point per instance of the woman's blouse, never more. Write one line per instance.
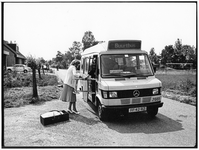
(70, 76)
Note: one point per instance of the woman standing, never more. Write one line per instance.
(68, 94)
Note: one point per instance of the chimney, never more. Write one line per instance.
(13, 46)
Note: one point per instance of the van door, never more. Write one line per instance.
(88, 86)
(92, 81)
(84, 83)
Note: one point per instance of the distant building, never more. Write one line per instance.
(11, 55)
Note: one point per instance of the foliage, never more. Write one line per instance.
(152, 55)
(63, 60)
(75, 50)
(25, 80)
(31, 62)
(178, 53)
(88, 40)
(20, 96)
(167, 54)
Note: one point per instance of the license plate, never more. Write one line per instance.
(137, 109)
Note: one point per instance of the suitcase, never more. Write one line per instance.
(54, 116)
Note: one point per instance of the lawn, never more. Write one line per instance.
(179, 85)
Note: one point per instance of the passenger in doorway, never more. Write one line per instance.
(70, 86)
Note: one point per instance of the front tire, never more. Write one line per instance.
(101, 112)
(9, 70)
(152, 111)
(25, 71)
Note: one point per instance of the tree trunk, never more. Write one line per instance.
(39, 72)
(35, 94)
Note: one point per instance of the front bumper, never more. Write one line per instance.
(155, 104)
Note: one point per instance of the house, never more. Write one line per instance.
(11, 55)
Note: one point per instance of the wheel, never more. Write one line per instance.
(25, 71)
(9, 70)
(101, 112)
(152, 111)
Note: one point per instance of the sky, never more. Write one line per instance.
(42, 29)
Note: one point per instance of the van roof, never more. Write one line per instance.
(103, 48)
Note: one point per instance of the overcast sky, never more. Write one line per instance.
(42, 29)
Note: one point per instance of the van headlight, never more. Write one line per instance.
(112, 94)
(155, 91)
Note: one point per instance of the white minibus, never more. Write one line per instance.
(121, 79)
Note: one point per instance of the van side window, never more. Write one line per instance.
(82, 64)
(86, 65)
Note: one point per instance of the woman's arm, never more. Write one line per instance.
(75, 74)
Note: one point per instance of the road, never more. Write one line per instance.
(174, 126)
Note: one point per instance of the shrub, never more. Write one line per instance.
(16, 97)
(25, 79)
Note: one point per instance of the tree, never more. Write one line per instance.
(59, 59)
(167, 54)
(178, 53)
(31, 62)
(75, 50)
(67, 58)
(153, 56)
(38, 63)
(88, 40)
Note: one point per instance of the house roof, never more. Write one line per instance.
(17, 53)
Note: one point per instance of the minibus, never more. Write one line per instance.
(121, 79)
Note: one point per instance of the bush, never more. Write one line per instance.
(14, 79)
(16, 97)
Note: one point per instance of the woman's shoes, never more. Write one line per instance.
(76, 112)
(70, 111)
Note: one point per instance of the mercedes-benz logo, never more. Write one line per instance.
(136, 93)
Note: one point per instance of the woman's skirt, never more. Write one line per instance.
(67, 94)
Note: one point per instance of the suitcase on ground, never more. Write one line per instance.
(54, 116)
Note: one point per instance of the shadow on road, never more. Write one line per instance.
(141, 123)
(88, 121)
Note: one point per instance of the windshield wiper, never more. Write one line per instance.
(112, 74)
(142, 75)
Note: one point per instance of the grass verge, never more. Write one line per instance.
(20, 96)
(179, 86)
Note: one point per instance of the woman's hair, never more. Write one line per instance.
(75, 63)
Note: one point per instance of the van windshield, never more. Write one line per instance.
(125, 65)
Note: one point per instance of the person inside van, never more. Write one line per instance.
(108, 64)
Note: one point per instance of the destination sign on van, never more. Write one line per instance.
(131, 44)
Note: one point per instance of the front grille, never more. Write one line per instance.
(125, 101)
(143, 93)
(146, 99)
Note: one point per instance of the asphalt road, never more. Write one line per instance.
(174, 126)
